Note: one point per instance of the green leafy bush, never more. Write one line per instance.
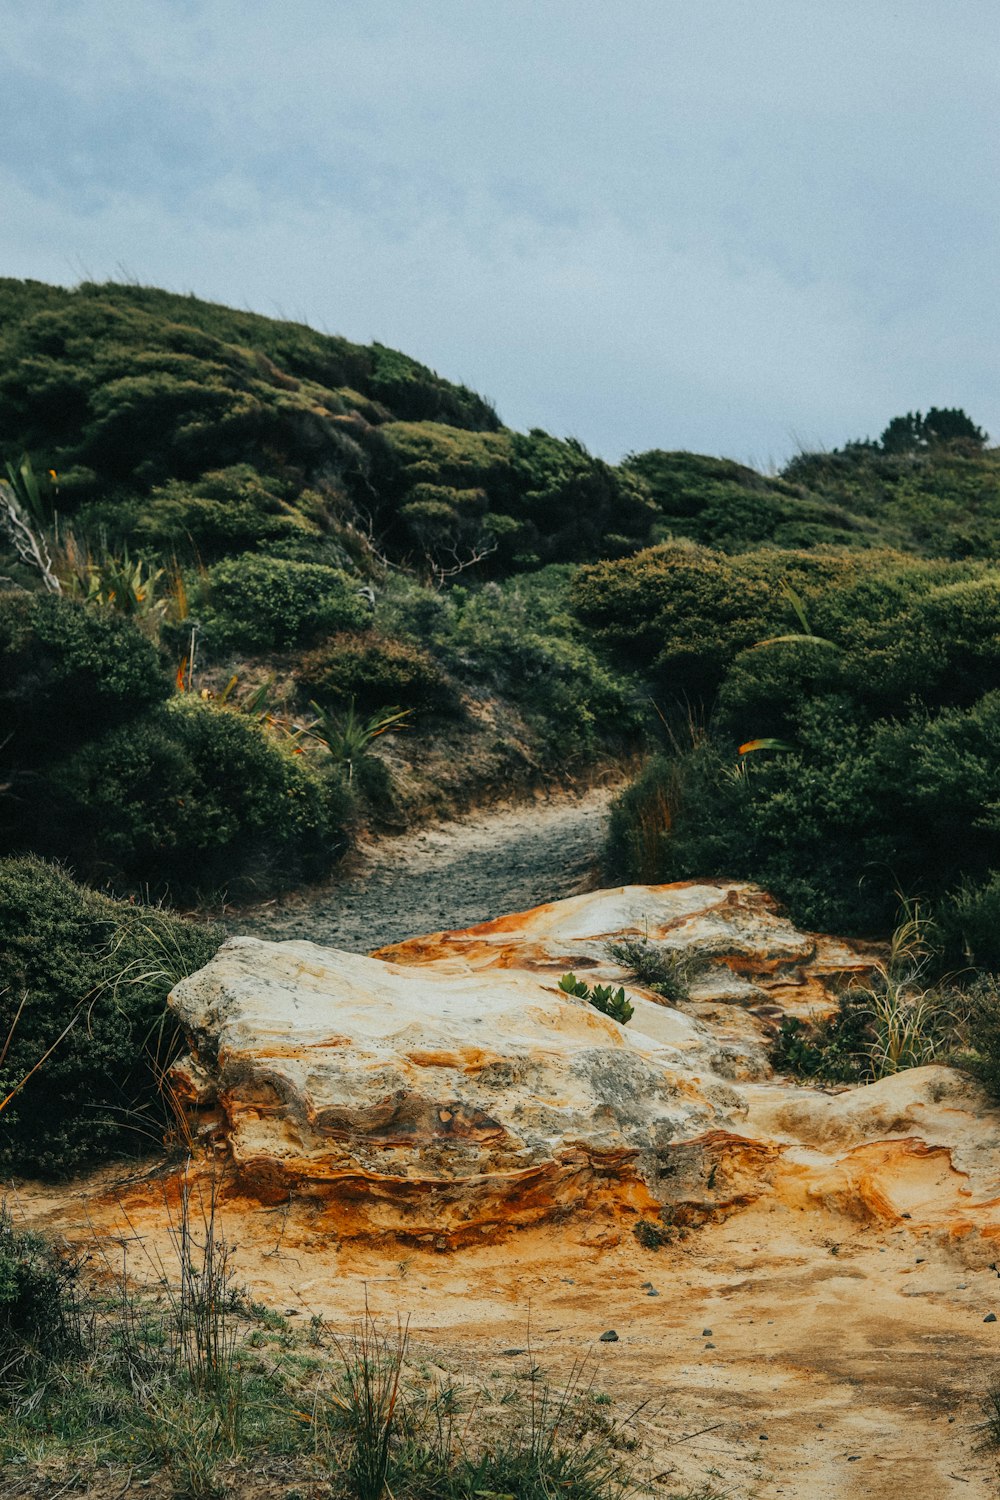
(85, 981)
(375, 671)
(982, 1000)
(66, 672)
(39, 1312)
(271, 604)
(193, 797)
(661, 969)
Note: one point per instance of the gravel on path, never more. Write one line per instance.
(452, 875)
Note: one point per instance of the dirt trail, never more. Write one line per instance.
(452, 875)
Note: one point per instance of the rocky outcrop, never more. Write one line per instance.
(447, 1090)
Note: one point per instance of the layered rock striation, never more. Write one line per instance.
(446, 1090)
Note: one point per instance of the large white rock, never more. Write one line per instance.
(448, 1087)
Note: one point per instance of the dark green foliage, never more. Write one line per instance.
(375, 671)
(39, 1314)
(521, 500)
(652, 1236)
(518, 640)
(970, 922)
(982, 1001)
(222, 512)
(834, 1050)
(941, 425)
(272, 604)
(74, 959)
(65, 672)
(728, 506)
(661, 969)
(942, 500)
(192, 798)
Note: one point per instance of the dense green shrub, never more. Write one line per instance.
(982, 1004)
(39, 1313)
(222, 512)
(731, 507)
(66, 671)
(375, 671)
(193, 797)
(970, 922)
(270, 603)
(98, 970)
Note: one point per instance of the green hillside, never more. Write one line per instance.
(265, 588)
(268, 543)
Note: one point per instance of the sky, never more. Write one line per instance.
(741, 227)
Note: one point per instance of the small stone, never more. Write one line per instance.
(646, 1285)
(763, 1437)
(990, 1318)
(920, 1260)
(706, 1333)
(513, 1351)
(652, 1292)
(709, 1346)
(610, 1337)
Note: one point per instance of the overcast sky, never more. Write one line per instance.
(735, 226)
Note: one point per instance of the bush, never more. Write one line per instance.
(95, 973)
(224, 511)
(970, 922)
(982, 999)
(376, 671)
(270, 604)
(66, 672)
(39, 1316)
(195, 797)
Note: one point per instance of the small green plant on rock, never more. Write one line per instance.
(602, 997)
(660, 969)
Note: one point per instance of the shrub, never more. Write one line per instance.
(39, 1315)
(66, 672)
(982, 1000)
(95, 973)
(661, 969)
(376, 671)
(268, 603)
(223, 511)
(194, 797)
(970, 922)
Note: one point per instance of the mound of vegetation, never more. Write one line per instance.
(835, 728)
(254, 542)
(82, 1015)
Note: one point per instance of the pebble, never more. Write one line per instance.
(513, 1351)
(990, 1318)
(709, 1346)
(706, 1333)
(610, 1337)
(652, 1292)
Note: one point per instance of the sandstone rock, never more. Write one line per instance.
(447, 1090)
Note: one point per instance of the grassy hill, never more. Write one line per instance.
(269, 540)
(298, 586)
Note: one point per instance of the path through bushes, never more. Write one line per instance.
(451, 875)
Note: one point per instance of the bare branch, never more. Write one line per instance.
(30, 547)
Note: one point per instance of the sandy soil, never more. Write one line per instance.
(785, 1354)
(452, 875)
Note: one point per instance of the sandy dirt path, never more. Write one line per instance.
(779, 1353)
(452, 875)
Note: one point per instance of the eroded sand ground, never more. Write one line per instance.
(842, 1361)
